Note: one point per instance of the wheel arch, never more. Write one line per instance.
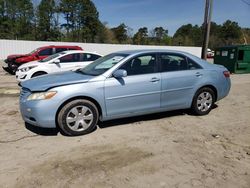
(211, 87)
(79, 97)
(44, 72)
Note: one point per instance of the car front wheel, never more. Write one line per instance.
(78, 117)
(203, 101)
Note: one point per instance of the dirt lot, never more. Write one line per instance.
(171, 149)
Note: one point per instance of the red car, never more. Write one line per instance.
(14, 61)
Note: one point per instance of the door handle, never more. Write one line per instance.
(154, 79)
(198, 74)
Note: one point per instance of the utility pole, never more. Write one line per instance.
(206, 24)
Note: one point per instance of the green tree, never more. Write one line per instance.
(159, 36)
(105, 35)
(141, 37)
(188, 35)
(230, 32)
(215, 39)
(120, 33)
(24, 19)
(47, 22)
(82, 20)
(16, 19)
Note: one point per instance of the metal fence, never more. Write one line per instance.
(8, 47)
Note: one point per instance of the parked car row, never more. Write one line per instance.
(48, 59)
(14, 61)
(62, 61)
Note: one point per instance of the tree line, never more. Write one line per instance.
(78, 21)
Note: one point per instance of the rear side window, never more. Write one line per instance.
(45, 52)
(61, 50)
(70, 58)
(173, 62)
(192, 65)
(90, 57)
(144, 64)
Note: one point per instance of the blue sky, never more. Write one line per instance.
(170, 14)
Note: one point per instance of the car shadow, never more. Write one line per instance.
(42, 131)
(117, 122)
(148, 117)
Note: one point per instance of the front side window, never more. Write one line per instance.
(103, 64)
(172, 62)
(45, 52)
(144, 64)
(70, 58)
(51, 57)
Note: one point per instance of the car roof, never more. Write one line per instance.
(79, 51)
(132, 52)
(60, 46)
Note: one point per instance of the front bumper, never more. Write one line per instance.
(4, 64)
(39, 113)
(21, 76)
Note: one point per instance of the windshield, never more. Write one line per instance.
(33, 51)
(51, 57)
(102, 64)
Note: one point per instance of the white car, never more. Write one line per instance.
(63, 61)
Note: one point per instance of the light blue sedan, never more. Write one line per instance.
(123, 84)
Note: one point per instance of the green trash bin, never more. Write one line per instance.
(235, 58)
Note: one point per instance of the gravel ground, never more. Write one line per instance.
(172, 149)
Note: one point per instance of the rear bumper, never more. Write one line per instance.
(224, 89)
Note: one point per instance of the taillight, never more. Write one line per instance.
(226, 74)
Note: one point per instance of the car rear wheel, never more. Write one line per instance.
(78, 117)
(203, 101)
(38, 74)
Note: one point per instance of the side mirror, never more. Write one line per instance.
(56, 61)
(120, 73)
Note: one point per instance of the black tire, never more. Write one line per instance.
(65, 112)
(38, 74)
(202, 106)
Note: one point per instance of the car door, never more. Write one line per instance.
(243, 59)
(69, 61)
(86, 58)
(139, 91)
(179, 77)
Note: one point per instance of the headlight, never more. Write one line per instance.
(41, 95)
(25, 69)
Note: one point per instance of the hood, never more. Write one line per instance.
(32, 63)
(17, 56)
(46, 82)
